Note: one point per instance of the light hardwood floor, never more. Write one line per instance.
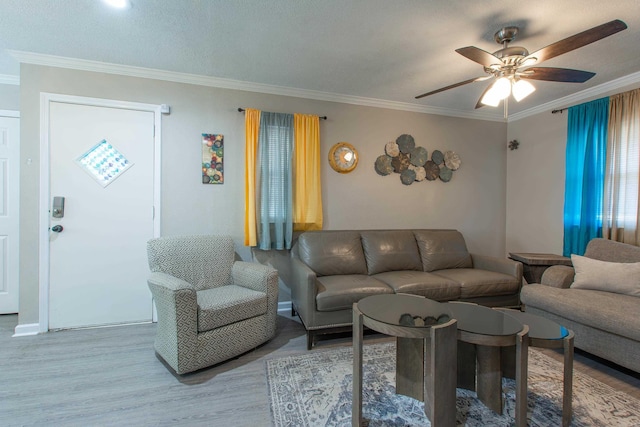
(111, 377)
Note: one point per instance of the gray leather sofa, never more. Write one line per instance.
(333, 269)
(606, 324)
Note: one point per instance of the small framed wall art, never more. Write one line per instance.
(212, 158)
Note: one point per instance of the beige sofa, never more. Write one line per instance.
(333, 269)
(605, 323)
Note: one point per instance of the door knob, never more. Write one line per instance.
(57, 228)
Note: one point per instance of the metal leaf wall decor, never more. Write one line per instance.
(413, 164)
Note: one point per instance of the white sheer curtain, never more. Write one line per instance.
(622, 179)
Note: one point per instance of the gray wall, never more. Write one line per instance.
(535, 181)
(9, 97)
(473, 202)
(535, 184)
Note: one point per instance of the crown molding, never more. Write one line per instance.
(7, 79)
(172, 76)
(579, 97)
(196, 79)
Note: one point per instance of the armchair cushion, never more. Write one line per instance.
(228, 304)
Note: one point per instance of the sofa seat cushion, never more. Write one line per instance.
(421, 283)
(606, 311)
(228, 304)
(475, 282)
(390, 250)
(341, 291)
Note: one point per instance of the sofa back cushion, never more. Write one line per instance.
(390, 250)
(332, 252)
(611, 251)
(442, 249)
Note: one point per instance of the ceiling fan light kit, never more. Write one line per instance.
(512, 65)
(521, 89)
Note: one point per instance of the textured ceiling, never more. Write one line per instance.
(382, 50)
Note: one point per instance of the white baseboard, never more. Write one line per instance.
(284, 306)
(27, 330)
(34, 328)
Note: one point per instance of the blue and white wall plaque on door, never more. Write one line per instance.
(104, 163)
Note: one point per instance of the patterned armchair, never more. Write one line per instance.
(210, 306)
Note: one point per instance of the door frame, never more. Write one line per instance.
(45, 197)
(15, 114)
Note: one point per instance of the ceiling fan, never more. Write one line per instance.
(512, 66)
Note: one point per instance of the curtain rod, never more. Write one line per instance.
(241, 110)
(559, 110)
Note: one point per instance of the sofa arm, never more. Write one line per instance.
(256, 276)
(498, 265)
(303, 290)
(172, 294)
(558, 276)
(177, 307)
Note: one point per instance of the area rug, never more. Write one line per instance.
(314, 389)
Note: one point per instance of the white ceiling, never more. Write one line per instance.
(372, 52)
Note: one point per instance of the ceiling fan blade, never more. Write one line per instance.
(479, 104)
(442, 89)
(556, 74)
(576, 41)
(478, 55)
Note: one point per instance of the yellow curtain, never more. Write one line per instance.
(252, 128)
(307, 194)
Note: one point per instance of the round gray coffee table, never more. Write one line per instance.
(545, 333)
(482, 333)
(425, 339)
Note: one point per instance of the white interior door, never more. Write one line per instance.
(9, 222)
(97, 262)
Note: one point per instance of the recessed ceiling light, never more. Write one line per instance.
(118, 4)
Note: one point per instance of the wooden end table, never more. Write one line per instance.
(535, 264)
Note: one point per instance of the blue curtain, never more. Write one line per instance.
(275, 177)
(585, 171)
